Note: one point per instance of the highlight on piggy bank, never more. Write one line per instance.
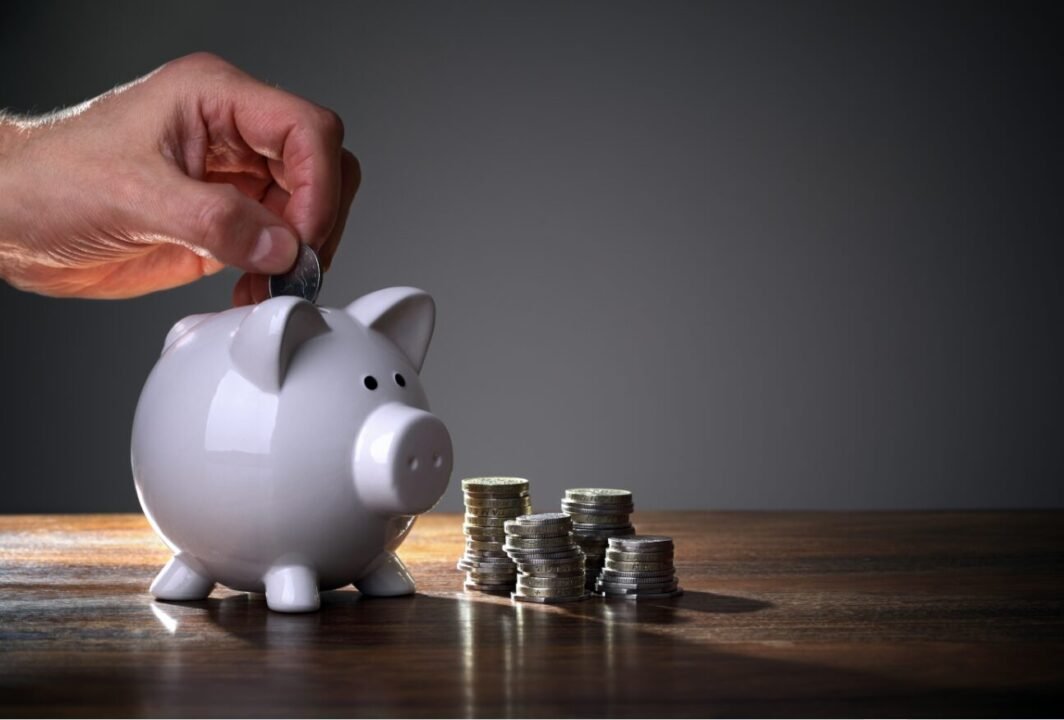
(288, 449)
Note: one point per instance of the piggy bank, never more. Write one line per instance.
(286, 448)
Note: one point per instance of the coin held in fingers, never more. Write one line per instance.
(303, 280)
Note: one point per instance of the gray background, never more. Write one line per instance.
(749, 255)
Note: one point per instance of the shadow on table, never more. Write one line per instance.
(473, 655)
(666, 611)
(452, 655)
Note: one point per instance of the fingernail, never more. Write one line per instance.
(275, 250)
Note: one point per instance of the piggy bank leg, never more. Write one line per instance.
(389, 577)
(179, 580)
(292, 588)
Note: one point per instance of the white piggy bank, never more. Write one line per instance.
(285, 448)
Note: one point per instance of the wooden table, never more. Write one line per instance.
(784, 614)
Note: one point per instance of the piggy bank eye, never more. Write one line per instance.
(370, 382)
(400, 380)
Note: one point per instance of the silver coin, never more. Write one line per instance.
(485, 555)
(303, 280)
(484, 534)
(597, 506)
(637, 556)
(635, 582)
(644, 596)
(494, 511)
(491, 567)
(471, 531)
(555, 542)
(545, 519)
(599, 495)
(572, 589)
(485, 546)
(637, 587)
(570, 508)
(660, 543)
(507, 486)
(493, 589)
(485, 525)
(639, 582)
(498, 521)
(543, 574)
(563, 569)
(548, 600)
(521, 530)
(611, 574)
(604, 531)
(497, 513)
(482, 559)
(467, 566)
(603, 536)
(474, 576)
(549, 583)
(527, 556)
(485, 568)
(592, 519)
(551, 567)
(638, 566)
(662, 583)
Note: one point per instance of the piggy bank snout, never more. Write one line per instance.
(402, 460)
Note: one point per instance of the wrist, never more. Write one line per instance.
(15, 132)
(8, 134)
(12, 137)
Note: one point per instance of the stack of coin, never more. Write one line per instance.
(489, 503)
(639, 567)
(549, 563)
(598, 514)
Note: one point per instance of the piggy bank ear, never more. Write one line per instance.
(266, 340)
(182, 328)
(406, 315)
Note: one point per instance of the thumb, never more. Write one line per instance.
(231, 227)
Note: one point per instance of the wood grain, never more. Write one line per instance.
(792, 614)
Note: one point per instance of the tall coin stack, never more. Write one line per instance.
(639, 567)
(598, 514)
(489, 503)
(550, 565)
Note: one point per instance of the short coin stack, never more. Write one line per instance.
(549, 563)
(639, 567)
(489, 503)
(598, 514)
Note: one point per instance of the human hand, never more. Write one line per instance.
(169, 178)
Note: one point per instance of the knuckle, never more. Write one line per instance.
(352, 169)
(203, 59)
(218, 216)
(199, 64)
(331, 124)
